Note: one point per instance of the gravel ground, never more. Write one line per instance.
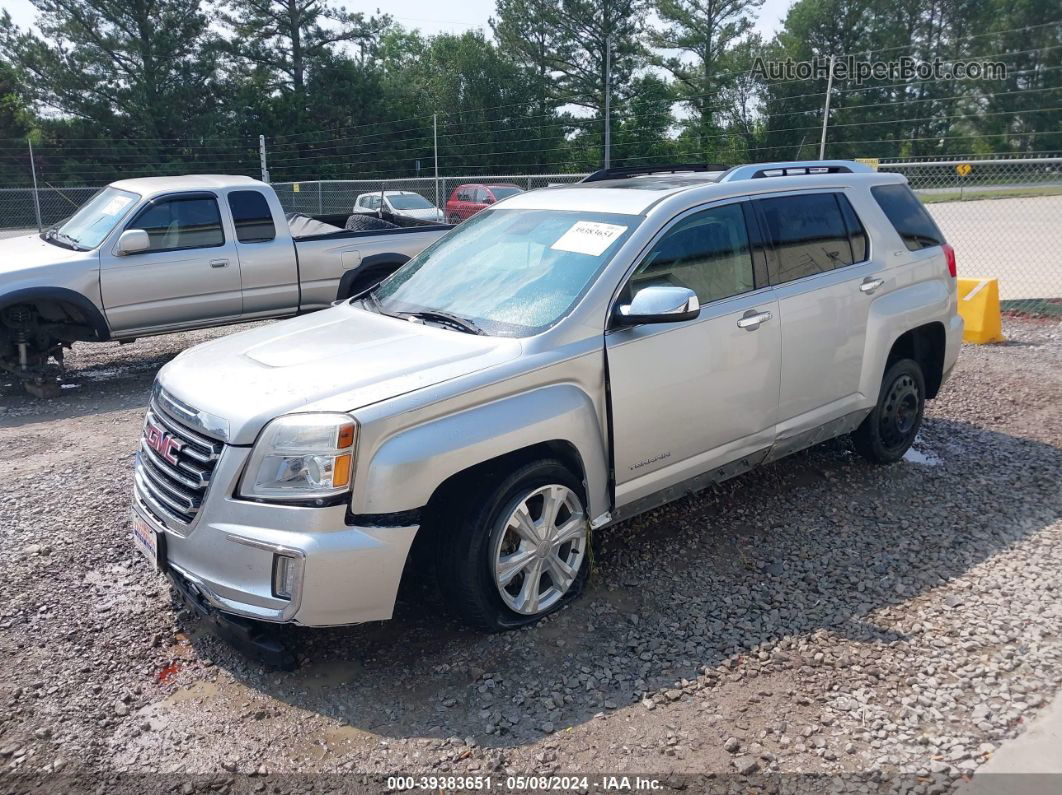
(819, 615)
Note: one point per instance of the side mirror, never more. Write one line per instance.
(489, 200)
(133, 241)
(659, 303)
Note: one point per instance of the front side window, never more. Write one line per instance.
(250, 213)
(88, 227)
(708, 252)
(908, 216)
(481, 196)
(181, 222)
(808, 234)
(513, 272)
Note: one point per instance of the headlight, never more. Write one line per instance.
(301, 457)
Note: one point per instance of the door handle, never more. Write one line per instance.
(752, 319)
(218, 263)
(869, 285)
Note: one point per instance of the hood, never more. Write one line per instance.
(29, 251)
(337, 360)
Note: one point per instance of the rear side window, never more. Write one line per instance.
(250, 211)
(183, 222)
(907, 214)
(808, 234)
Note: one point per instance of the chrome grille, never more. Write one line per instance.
(172, 486)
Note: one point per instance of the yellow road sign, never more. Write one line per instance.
(963, 169)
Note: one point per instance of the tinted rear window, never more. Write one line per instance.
(808, 234)
(908, 215)
(250, 212)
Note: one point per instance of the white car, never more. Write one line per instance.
(398, 202)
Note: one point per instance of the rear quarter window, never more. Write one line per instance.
(908, 216)
(252, 217)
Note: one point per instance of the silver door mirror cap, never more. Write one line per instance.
(659, 303)
(133, 241)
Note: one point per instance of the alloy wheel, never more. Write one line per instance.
(538, 549)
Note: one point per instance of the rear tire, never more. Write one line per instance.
(887, 433)
(516, 551)
(454, 220)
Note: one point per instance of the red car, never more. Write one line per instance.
(469, 199)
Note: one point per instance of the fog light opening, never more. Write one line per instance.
(285, 572)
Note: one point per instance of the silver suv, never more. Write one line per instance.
(562, 361)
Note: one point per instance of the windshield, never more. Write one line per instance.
(512, 272)
(97, 217)
(504, 191)
(410, 201)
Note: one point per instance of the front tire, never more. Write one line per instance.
(517, 551)
(888, 432)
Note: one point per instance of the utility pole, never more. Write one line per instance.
(36, 193)
(262, 159)
(435, 148)
(826, 112)
(608, 102)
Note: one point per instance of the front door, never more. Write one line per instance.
(190, 275)
(692, 396)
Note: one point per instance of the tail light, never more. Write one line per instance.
(949, 255)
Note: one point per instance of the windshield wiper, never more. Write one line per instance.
(446, 318)
(63, 239)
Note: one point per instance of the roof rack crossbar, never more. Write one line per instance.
(625, 172)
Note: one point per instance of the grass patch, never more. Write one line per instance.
(976, 194)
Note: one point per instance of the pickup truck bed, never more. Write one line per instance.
(160, 254)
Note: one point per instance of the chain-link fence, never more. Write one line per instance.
(324, 197)
(1002, 215)
(1004, 218)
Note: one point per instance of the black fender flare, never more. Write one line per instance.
(370, 263)
(27, 295)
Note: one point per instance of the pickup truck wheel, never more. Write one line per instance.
(519, 551)
(890, 429)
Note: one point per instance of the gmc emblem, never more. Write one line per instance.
(162, 443)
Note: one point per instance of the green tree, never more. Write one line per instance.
(589, 35)
(699, 36)
(128, 67)
(643, 135)
(286, 39)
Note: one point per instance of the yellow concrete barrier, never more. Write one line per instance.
(979, 307)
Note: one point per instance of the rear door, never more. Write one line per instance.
(693, 396)
(825, 278)
(189, 275)
(268, 267)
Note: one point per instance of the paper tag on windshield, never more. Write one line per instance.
(116, 205)
(588, 237)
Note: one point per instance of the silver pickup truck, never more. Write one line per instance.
(565, 359)
(161, 254)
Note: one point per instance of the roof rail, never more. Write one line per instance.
(625, 172)
(791, 168)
